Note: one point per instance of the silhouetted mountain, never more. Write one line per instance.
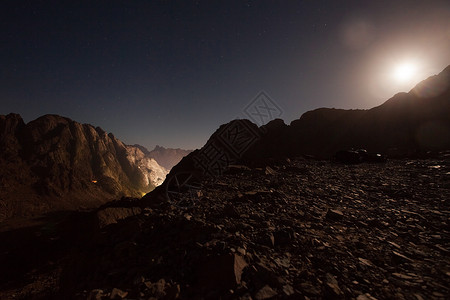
(408, 124)
(55, 163)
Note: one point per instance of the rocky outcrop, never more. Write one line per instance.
(55, 163)
(153, 172)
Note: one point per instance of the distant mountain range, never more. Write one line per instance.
(54, 163)
(166, 157)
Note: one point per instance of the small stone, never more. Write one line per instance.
(283, 262)
(442, 249)
(394, 244)
(241, 251)
(401, 257)
(156, 289)
(365, 296)
(332, 286)
(159, 287)
(269, 171)
(365, 262)
(402, 276)
(265, 293)
(418, 297)
(267, 239)
(334, 214)
(118, 294)
(95, 295)
(334, 289)
(288, 290)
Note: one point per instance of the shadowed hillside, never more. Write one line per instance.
(407, 124)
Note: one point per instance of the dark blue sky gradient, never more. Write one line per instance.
(170, 72)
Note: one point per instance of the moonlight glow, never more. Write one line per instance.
(405, 72)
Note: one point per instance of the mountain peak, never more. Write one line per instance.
(434, 85)
(11, 118)
(407, 124)
(67, 164)
(158, 147)
(168, 157)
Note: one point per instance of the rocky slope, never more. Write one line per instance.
(55, 163)
(294, 229)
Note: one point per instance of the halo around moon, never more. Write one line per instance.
(405, 72)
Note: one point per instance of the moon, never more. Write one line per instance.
(405, 72)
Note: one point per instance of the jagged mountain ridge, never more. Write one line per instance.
(55, 163)
(168, 157)
(408, 124)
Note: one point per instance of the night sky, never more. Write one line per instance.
(170, 72)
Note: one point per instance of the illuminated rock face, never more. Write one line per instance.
(55, 163)
(154, 174)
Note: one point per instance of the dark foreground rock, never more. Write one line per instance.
(304, 230)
